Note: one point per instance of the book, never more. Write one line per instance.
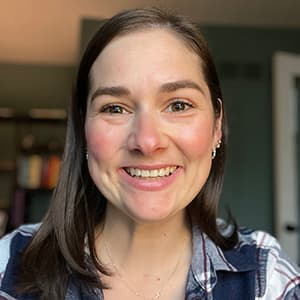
(34, 171)
(3, 221)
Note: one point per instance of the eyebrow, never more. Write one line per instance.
(181, 84)
(169, 87)
(116, 91)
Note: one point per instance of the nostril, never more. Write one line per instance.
(146, 134)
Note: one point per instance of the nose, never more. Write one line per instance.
(146, 136)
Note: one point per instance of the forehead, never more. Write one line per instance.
(155, 54)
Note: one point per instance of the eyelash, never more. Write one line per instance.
(187, 105)
(108, 108)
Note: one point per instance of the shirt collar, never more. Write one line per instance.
(208, 258)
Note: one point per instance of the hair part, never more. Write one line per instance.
(77, 206)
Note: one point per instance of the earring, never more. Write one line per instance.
(214, 152)
(86, 155)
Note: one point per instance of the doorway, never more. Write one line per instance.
(286, 74)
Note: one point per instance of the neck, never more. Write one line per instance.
(138, 248)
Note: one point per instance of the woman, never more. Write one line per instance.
(134, 212)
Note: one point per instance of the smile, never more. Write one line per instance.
(154, 173)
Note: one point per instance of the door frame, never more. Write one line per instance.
(286, 67)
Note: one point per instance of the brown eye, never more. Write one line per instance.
(178, 106)
(113, 109)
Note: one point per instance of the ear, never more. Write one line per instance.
(218, 124)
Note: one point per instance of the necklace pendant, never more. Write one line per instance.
(157, 296)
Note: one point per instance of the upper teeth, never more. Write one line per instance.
(151, 173)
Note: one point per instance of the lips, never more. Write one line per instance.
(146, 182)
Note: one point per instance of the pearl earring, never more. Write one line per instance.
(214, 152)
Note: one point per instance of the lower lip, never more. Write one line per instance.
(156, 184)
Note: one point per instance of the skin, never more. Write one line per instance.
(149, 125)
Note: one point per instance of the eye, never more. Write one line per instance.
(178, 106)
(114, 109)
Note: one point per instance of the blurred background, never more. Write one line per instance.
(256, 46)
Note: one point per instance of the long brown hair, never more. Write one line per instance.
(57, 250)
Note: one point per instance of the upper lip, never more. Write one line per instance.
(151, 167)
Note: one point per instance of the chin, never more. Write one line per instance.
(150, 215)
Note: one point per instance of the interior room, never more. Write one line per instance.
(40, 45)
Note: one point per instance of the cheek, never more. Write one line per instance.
(102, 140)
(196, 139)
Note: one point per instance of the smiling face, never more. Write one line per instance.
(150, 126)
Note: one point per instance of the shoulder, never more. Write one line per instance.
(277, 277)
(13, 242)
(261, 239)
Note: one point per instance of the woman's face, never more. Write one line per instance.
(150, 127)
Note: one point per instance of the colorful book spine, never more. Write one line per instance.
(22, 177)
(35, 171)
(54, 163)
(3, 221)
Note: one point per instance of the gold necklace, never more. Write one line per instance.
(128, 286)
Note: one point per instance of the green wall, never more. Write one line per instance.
(25, 86)
(244, 60)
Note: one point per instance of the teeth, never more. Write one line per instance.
(161, 172)
(167, 171)
(151, 173)
(145, 173)
(131, 171)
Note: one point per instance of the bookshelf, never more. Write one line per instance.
(30, 156)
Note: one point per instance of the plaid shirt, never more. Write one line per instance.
(256, 269)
